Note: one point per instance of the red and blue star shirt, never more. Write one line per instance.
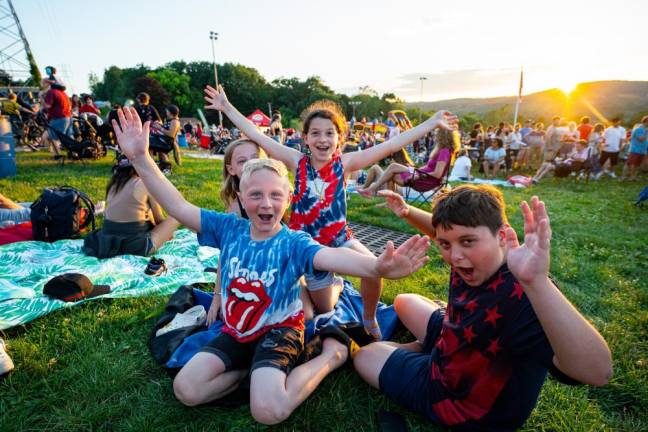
(491, 358)
(319, 204)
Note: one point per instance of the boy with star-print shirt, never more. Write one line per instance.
(480, 363)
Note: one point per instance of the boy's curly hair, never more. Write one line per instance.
(470, 205)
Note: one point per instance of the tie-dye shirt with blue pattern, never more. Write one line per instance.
(259, 279)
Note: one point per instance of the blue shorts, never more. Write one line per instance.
(62, 125)
(405, 377)
(16, 215)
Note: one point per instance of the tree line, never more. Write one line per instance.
(182, 83)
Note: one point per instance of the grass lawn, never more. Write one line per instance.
(88, 369)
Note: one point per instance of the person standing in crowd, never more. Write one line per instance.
(553, 136)
(59, 114)
(638, 149)
(528, 127)
(585, 128)
(595, 143)
(614, 136)
(569, 138)
(536, 141)
(516, 151)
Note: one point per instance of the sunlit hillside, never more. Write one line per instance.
(601, 100)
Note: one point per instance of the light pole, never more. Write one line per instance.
(214, 36)
(421, 99)
(354, 104)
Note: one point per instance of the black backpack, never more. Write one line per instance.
(61, 213)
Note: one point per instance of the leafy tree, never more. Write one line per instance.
(177, 88)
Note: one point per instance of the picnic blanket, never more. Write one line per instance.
(25, 267)
(199, 155)
(348, 309)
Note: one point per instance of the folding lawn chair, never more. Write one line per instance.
(424, 183)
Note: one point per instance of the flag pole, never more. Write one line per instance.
(519, 99)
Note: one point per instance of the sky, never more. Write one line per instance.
(464, 48)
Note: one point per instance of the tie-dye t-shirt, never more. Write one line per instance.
(319, 202)
(259, 279)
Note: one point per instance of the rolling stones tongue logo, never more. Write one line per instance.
(246, 303)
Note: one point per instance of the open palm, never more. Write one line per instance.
(408, 258)
(530, 261)
(132, 136)
(216, 99)
(445, 120)
(395, 202)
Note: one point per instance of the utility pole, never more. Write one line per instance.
(214, 36)
(421, 99)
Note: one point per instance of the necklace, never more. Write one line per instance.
(319, 185)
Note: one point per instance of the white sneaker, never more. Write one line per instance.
(191, 317)
(6, 364)
(598, 175)
(612, 175)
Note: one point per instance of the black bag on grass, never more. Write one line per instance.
(61, 213)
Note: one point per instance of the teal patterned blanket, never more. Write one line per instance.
(25, 267)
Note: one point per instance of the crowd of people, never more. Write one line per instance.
(477, 362)
(564, 148)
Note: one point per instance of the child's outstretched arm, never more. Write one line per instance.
(133, 139)
(217, 100)
(419, 219)
(391, 264)
(579, 350)
(359, 160)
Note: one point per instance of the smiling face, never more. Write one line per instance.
(474, 252)
(322, 139)
(241, 154)
(265, 196)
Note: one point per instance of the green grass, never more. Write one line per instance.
(87, 368)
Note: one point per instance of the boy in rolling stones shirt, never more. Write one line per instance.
(261, 263)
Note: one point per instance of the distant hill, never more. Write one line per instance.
(599, 99)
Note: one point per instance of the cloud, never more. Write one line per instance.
(458, 83)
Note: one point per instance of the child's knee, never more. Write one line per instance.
(184, 391)
(268, 411)
(402, 301)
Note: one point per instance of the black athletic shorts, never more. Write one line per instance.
(279, 348)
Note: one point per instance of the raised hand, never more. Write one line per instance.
(529, 262)
(445, 120)
(132, 136)
(216, 99)
(408, 258)
(395, 203)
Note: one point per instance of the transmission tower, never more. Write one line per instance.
(16, 58)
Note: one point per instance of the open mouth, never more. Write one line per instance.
(466, 273)
(322, 148)
(265, 217)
